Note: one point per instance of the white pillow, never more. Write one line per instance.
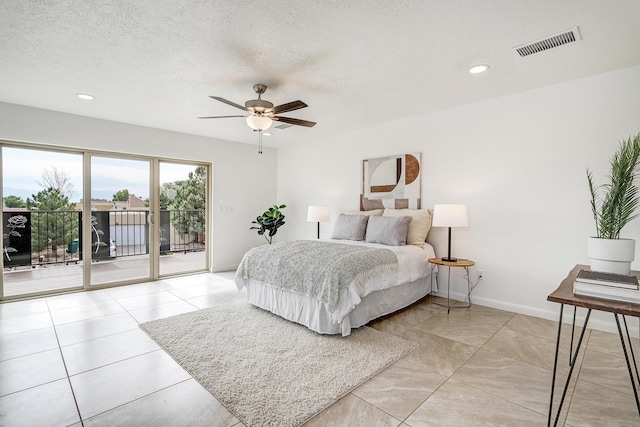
(350, 227)
(388, 231)
(419, 226)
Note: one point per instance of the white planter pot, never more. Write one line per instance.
(611, 255)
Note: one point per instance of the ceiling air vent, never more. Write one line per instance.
(564, 37)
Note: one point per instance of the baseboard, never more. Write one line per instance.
(222, 269)
(598, 320)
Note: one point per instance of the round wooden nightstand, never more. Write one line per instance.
(464, 263)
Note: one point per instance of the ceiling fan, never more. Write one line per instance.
(262, 113)
(265, 109)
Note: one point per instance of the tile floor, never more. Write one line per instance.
(80, 359)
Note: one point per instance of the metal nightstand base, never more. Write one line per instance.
(458, 263)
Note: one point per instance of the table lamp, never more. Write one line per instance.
(318, 214)
(449, 216)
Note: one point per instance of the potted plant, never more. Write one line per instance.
(614, 205)
(269, 222)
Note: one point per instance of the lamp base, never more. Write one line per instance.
(449, 259)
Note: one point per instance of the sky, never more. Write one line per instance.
(108, 175)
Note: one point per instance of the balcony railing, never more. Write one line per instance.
(33, 238)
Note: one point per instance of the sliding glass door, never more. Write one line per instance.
(40, 220)
(75, 220)
(119, 234)
(183, 217)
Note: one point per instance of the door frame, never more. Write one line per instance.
(153, 217)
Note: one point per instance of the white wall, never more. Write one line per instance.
(517, 162)
(242, 179)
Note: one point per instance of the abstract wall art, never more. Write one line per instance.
(391, 182)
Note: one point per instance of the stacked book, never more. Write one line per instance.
(607, 285)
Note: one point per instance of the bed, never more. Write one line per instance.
(373, 265)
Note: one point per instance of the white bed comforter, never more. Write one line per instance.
(412, 262)
(413, 265)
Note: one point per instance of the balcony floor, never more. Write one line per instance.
(61, 277)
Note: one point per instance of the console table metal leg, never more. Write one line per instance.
(633, 355)
(626, 356)
(555, 366)
(572, 365)
(573, 332)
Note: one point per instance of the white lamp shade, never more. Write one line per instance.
(318, 214)
(450, 216)
(259, 122)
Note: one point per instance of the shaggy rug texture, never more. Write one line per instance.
(269, 371)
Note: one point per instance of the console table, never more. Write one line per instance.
(564, 296)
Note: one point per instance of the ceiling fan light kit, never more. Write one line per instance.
(262, 113)
(259, 122)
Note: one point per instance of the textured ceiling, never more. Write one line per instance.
(356, 63)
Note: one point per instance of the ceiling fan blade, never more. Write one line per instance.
(218, 117)
(297, 122)
(226, 101)
(289, 106)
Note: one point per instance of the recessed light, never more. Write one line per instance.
(85, 96)
(266, 133)
(477, 69)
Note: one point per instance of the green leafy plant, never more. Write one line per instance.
(268, 223)
(614, 203)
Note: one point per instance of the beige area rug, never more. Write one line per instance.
(266, 370)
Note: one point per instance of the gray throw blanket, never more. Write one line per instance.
(322, 270)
